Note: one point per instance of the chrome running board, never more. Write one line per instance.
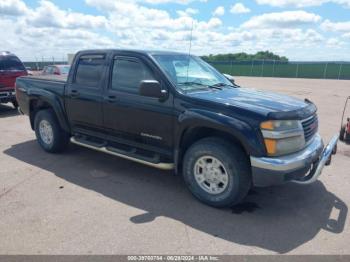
(104, 149)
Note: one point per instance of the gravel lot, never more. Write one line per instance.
(85, 202)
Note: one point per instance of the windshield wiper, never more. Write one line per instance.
(220, 85)
(191, 83)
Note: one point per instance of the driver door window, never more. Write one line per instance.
(128, 73)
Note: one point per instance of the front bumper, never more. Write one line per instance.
(7, 96)
(303, 167)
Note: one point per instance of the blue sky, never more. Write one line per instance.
(298, 29)
(328, 10)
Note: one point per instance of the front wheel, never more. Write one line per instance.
(51, 137)
(216, 172)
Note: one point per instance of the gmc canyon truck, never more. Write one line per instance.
(174, 111)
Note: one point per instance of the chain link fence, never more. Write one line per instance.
(40, 63)
(273, 68)
(256, 68)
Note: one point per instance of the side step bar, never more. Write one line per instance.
(104, 149)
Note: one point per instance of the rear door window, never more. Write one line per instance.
(89, 71)
(11, 63)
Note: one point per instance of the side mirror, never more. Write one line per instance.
(151, 88)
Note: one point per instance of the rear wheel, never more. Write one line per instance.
(217, 173)
(51, 137)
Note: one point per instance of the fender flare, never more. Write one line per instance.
(239, 130)
(54, 102)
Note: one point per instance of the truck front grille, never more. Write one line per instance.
(310, 126)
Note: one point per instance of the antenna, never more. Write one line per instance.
(189, 51)
(191, 36)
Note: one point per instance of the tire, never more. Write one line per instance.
(15, 104)
(342, 134)
(51, 137)
(235, 167)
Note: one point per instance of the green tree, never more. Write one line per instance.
(262, 55)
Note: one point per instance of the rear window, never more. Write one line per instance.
(65, 70)
(10, 63)
(89, 72)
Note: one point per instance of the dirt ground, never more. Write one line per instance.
(86, 202)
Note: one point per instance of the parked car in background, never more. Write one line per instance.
(29, 71)
(10, 68)
(56, 70)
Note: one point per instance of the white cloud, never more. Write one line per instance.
(48, 30)
(13, 8)
(288, 19)
(187, 12)
(154, 2)
(239, 8)
(183, 2)
(214, 22)
(342, 27)
(219, 11)
(347, 35)
(334, 42)
(49, 15)
(302, 3)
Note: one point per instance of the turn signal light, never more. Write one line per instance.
(267, 125)
(270, 146)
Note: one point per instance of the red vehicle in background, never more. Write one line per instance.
(10, 68)
(56, 70)
(345, 128)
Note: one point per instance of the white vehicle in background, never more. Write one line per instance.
(56, 70)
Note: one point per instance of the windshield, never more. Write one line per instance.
(190, 72)
(8, 63)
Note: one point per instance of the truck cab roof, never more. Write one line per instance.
(135, 51)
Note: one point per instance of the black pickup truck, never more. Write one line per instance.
(174, 111)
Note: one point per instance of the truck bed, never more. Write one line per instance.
(49, 86)
(54, 78)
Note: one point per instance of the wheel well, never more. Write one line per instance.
(193, 135)
(34, 107)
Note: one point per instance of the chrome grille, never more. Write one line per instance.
(310, 126)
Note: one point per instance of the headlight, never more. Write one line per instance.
(280, 125)
(283, 137)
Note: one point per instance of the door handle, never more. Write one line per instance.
(74, 93)
(111, 99)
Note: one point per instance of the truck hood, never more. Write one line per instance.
(267, 103)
